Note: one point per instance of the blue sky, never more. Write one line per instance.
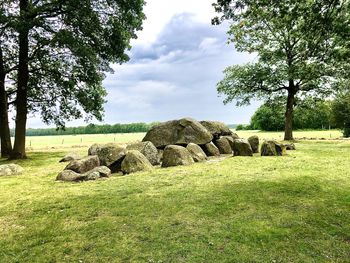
(174, 66)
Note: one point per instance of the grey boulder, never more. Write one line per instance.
(175, 155)
(94, 174)
(178, 132)
(241, 147)
(147, 149)
(196, 152)
(210, 149)
(112, 155)
(254, 143)
(10, 169)
(272, 148)
(135, 161)
(224, 146)
(216, 128)
(83, 165)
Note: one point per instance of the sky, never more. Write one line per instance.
(174, 66)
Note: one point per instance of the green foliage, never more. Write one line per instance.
(72, 44)
(92, 129)
(279, 209)
(243, 127)
(299, 48)
(309, 114)
(341, 112)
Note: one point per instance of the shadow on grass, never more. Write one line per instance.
(291, 220)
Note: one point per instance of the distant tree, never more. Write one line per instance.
(300, 52)
(268, 117)
(64, 47)
(341, 112)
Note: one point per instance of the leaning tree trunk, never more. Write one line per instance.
(22, 89)
(288, 129)
(6, 146)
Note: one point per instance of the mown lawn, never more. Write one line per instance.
(288, 209)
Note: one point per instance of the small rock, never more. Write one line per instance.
(160, 155)
(70, 157)
(241, 147)
(290, 147)
(10, 169)
(175, 155)
(196, 152)
(135, 161)
(104, 171)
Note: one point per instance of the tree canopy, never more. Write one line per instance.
(300, 52)
(63, 48)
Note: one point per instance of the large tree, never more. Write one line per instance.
(64, 48)
(297, 47)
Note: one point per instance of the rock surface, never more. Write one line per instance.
(147, 149)
(223, 144)
(230, 140)
(216, 128)
(70, 157)
(290, 147)
(160, 155)
(94, 174)
(272, 148)
(10, 169)
(175, 155)
(111, 155)
(135, 161)
(254, 143)
(210, 149)
(241, 147)
(83, 165)
(93, 150)
(196, 152)
(178, 132)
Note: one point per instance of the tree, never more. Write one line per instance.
(297, 47)
(341, 112)
(64, 48)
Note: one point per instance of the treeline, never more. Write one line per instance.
(309, 114)
(91, 129)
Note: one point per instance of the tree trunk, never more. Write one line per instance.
(19, 151)
(288, 130)
(6, 146)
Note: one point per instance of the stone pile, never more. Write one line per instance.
(172, 143)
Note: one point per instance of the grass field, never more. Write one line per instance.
(68, 141)
(262, 209)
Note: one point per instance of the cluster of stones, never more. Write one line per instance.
(172, 143)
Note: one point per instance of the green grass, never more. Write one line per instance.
(284, 209)
(68, 141)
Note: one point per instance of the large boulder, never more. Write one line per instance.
(175, 155)
(272, 148)
(94, 174)
(216, 128)
(254, 143)
(112, 156)
(196, 152)
(135, 161)
(93, 150)
(10, 169)
(241, 147)
(70, 157)
(179, 132)
(234, 136)
(147, 149)
(83, 165)
(230, 140)
(224, 146)
(210, 149)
